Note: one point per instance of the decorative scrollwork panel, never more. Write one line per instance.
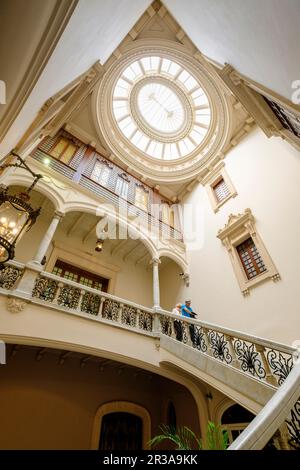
(129, 316)
(45, 289)
(198, 338)
(9, 276)
(293, 425)
(166, 326)
(219, 346)
(111, 310)
(280, 364)
(145, 321)
(249, 358)
(69, 297)
(90, 303)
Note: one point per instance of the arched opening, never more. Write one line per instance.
(121, 268)
(172, 285)
(121, 431)
(171, 415)
(235, 419)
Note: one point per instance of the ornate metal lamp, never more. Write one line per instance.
(99, 245)
(17, 216)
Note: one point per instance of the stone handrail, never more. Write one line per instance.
(283, 407)
(259, 358)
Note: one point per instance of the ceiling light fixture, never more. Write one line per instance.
(17, 215)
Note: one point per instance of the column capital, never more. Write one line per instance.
(155, 261)
(58, 215)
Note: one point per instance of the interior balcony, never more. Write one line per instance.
(66, 157)
(128, 265)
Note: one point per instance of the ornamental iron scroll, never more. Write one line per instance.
(249, 358)
(9, 276)
(69, 297)
(111, 310)
(129, 316)
(90, 303)
(280, 365)
(293, 425)
(219, 346)
(197, 336)
(45, 289)
(145, 321)
(166, 326)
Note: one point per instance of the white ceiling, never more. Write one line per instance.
(259, 38)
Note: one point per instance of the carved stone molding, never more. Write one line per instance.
(239, 228)
(15, 305)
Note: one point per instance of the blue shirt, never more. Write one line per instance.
(184, 313)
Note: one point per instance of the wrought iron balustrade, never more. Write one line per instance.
(10, 275)
(262, 359)
(80, 299)
(151, 222)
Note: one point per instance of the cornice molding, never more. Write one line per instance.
(55, 27)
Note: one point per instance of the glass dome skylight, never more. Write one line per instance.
(161, 108)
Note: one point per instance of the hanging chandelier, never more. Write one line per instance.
(17, 215)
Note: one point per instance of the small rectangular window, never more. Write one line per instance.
(251, 260)
(63, 150)
(221, 190)
(122, 187)
(141, 198)
(101, 173)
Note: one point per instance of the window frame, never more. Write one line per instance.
(138, 188)
(124, 181)
(212, 179)
(237, 230)
(105, 166)
(68, 143)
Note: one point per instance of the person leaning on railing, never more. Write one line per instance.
(187, 311)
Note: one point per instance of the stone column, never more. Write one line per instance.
(156, 296)
(44, 245)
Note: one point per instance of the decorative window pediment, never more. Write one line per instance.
(250, 259)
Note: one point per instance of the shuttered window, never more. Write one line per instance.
(101, 173)
(221, 190)
(141, 198)
(251, 260)
(63, 150)
(122, 187)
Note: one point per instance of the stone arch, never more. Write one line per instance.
(42, 187)
(106, 210)
(121, 406)
(179, 260)
(220, 408)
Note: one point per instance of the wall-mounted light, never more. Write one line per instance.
(99, 245)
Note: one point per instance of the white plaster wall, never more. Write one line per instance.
(266, 174)
(171, 286)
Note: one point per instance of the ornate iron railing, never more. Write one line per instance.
(11, 274)
(167, 231)
(85, 300)
(257, 357)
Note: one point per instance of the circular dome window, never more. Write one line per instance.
(161, 108)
